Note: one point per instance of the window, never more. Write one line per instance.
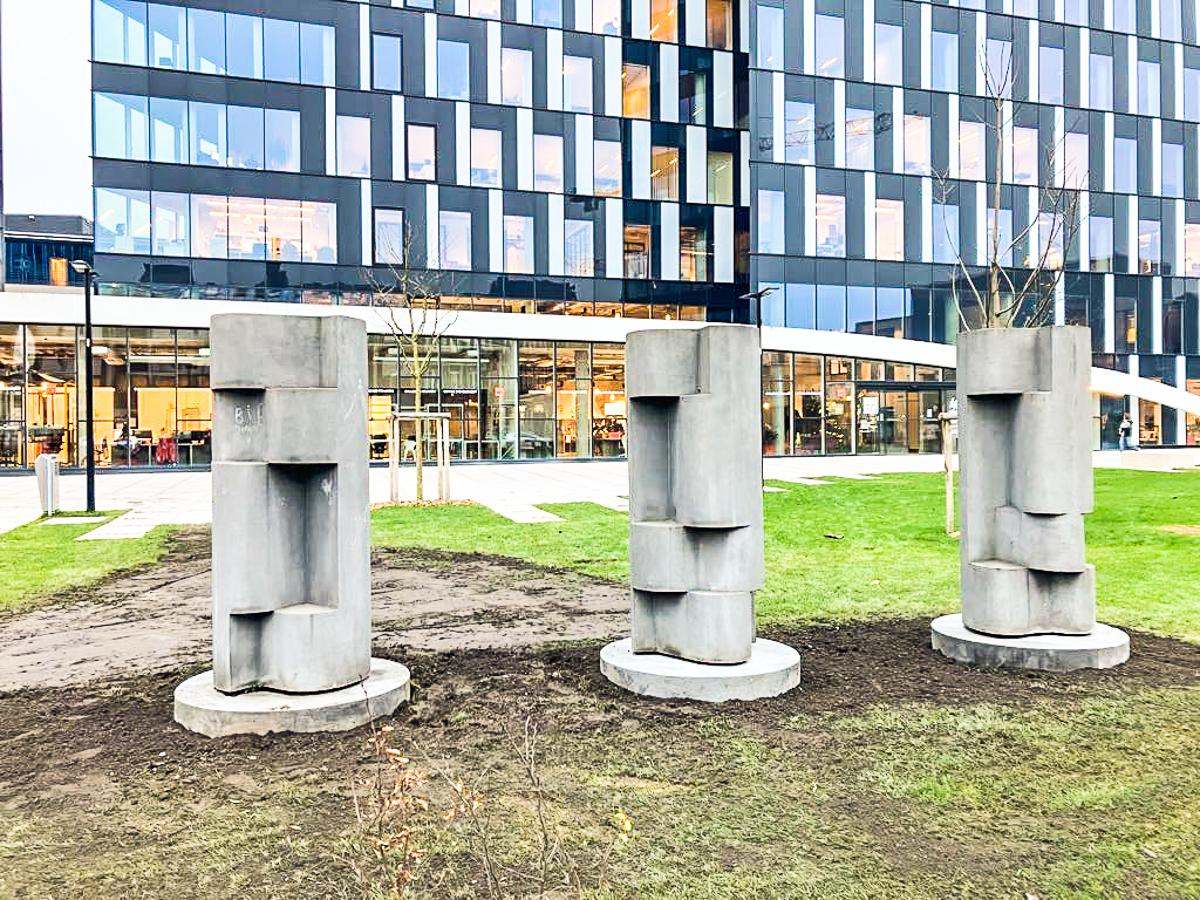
(664, 23)
(916, 145)
(771, 215)
(122, 221)
(636, 91)
(354, 146)
(606, 16)
(664, 173)
(1170, 20)
(1124, 16)
(516, 77)
(1075, 161)
(454, 240)
(121, 126)
(1001, 239)
(889, 229)
(720, 177)
(244, 45)
(206, 41)
(693, 97)
(316, 54)
(799, 132)
(1191, 250)
(972, 152)
(207, 127)
(518, 245)
(547, 13)
(830, 45)
(945, 232)
(769, 46)
(281, 50)
(831, 225)
(720, 24)
(578, 251)
(1125, 165)
(1025, 156)
(1100, 243)
(637, 251)
(319, 230)
(119, 32)
(944, 50)
(168, 130)
(167, 36)
(210, 226)
(245, 137)
(693, 254)
(453, 70)
(285, 230)
(247, 228)
(1075, 12)
(389, 237)
(889, 54)
(386, 68)
(577, 84)
(860, 138)
(831, 316)
(1148, 87)
(1149, 246)
(170, 218)
(1050, 75)
(421, 149)
(609, 165)
(485, 157)
(1191, 94)
(283, 140)
(999, 70)
(485, 9)
(1100, 81)
(548, 162)
(1172, 170)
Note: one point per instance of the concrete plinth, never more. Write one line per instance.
(1102, 648)
(200, 707)
(772, 669)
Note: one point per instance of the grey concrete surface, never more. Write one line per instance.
(695, 491)
(1024, 425)
(771, 670)
(1102, 648)
(200, 707)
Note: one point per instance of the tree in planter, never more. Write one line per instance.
(410, 302)
(1024, 444)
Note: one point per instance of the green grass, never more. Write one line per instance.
(892, 559)
(37, 560)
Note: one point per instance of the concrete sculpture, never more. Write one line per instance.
(695, 520)
(1025, 445)
(291, 533)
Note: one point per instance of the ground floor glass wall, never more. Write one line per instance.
(506, 399)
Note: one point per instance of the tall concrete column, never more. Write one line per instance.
(696, 520)
(1024, 439)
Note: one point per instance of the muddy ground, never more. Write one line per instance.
(122, 797)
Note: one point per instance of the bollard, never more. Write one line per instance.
(45, 468)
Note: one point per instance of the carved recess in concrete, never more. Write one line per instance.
(1025, 447)
(695, 491)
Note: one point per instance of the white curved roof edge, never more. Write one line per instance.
(66, 307)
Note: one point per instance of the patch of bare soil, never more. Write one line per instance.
(1188, 530)
(158, 619)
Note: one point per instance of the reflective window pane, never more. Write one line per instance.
(799, 132)
(245, 137)
(206, 41)
(889, 229)
(609, 165)
(386, 69)
(889, 54)
(771, 217)
(547, 13)
(247, 228)
(453, 70)
(830, 46)
(1050, 75)
(168, 130)
(354, 146)
(578, 247)
(168, 36)
(319, 222)
(389, 237)
(244, 45)
(282, 140)
(606, 16)
(421, 148)
(316, 54)
(916, 145)
(860, 138)
(516, 77)
(768, 49)
(518, 244)
(577, 84)
(122, 223)
(636, 91)
(664, 173)
(210, 226)
(548, 162)
(170, 221)
(944, 50)
(121, 126)
(281, 50)
(285, 232)
(119, 32)
(454, 240)
(831, 225)
(485, 157)
(208, 134)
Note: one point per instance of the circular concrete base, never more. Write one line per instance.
(772, 669)
(1104, 648)
(202, 708)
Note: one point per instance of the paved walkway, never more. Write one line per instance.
(516, 491)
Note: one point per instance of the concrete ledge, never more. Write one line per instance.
(1103, 648)
(772, 669)
(202, 708)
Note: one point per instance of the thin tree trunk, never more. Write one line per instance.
(419, 456)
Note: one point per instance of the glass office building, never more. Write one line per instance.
(633, 158)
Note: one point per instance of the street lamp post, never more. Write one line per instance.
(85, 269)
(756, 298)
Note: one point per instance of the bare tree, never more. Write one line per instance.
(1019, 295)
(410, 302)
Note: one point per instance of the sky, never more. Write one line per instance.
(46, 82)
